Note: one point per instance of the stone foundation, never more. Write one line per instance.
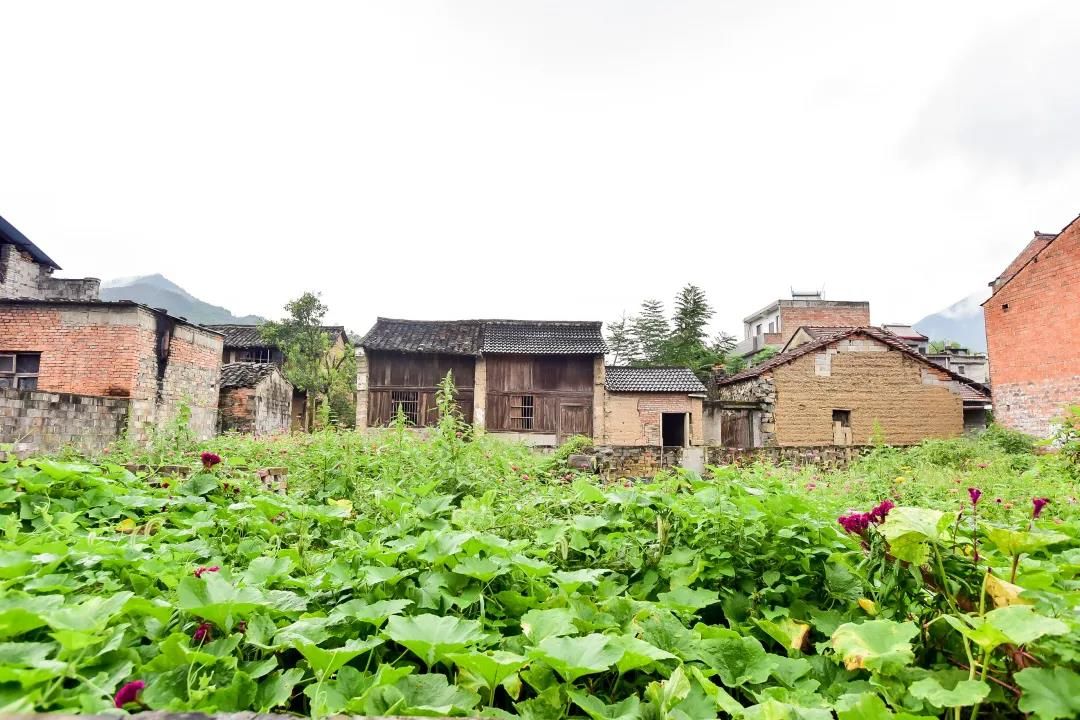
(33, 421)
(833, 456)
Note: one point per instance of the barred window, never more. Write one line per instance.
(19, 370)
(521, 412)
(407, 403)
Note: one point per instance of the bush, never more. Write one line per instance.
(946, 453)
(1008, 441)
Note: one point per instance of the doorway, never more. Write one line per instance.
(673, 429)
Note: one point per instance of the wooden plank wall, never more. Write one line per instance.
(561, 387)
(422, 373)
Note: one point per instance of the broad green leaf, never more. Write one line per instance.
(573, 657)
(720, 696)
(638, 653)
(483, 569)
(878, 645)
(263, 569)
(325, 661)
(966, 692)
(627, 709)
(431, 637)
(20, 614)
(791, 634)
(1050, 692)
(666, 694)
(1018, 542)
(422, 695)
(540, 624)
(737, 659)
(215, 599)
(491, 667)
(375, 613)
(570, 581)
(531, 566)
(869, 706)
(1015, 624)
(685, 600)
(778, 710)
(911, 530)
(91, 615)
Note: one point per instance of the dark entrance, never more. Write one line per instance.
(673, 429)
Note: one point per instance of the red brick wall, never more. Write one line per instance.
(1034, 345)
(76, 357)
(840, 315)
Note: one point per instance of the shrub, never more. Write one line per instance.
(1008, 441)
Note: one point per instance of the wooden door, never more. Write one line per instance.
(735, 429)
(574, 419)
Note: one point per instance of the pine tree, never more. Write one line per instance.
(692, 315)
(651, 331)
(622, 341)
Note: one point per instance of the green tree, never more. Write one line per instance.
(940, 346)
(327, 376)
(763, 354)
(622, 342)
(651, 331)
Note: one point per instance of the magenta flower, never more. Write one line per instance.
(209, 460)
(974, 494)
(1038, 505)
(881, 511)
(203, 633)
(129, 693)
(204, 569)
(855, 523)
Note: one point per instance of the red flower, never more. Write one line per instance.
(129, 693)
(204, 569)
(855, 523)
(203, 633)
(879, 513)
(1038, 505)
(974, 494)
(209, 460)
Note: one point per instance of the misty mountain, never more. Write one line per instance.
(159, 292)
(961, 322)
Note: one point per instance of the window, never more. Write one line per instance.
(255, 355)
(521, 412)
(960, 369)
(772, 327)
(843, 417)
(407, 403)
(758, 332)
(19, 370)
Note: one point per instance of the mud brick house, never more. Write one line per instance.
(837, 386)
(255, 398)
(1033, 332)
(27, 272)
(774, 324)
(538, 382)
(113, 350)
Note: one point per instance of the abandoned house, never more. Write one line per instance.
(255, 398)
(842, 386)
(1033, 333)
(245, 344)
(26, 271)
(538, 382)
(658, 406)
(774, 324)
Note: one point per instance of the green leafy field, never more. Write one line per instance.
(461, 576)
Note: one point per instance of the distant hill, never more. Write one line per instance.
(961, 322)
(159, 292)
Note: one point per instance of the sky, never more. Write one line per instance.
(563, 159)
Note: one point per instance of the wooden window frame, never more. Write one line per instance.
(12, 377)
(265, 355)
(522, 412)
(409, 402)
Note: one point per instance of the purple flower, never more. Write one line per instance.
(855, 523)
(204, 569)
(203, 633)
(129, 693)
(209, 460)
(974, 494)
(881, 511)
(1038, 505)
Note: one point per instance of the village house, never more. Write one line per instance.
(1033, 333)
(538, 382)
(911, 337)
(842, 386)
(255, 398)
(245, 344)
(27, 272)
(773, 325)
(972, 365)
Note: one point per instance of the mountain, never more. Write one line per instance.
(159, 292)
(961, 322)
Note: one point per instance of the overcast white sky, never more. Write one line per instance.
(548, 160)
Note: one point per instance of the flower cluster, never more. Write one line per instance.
(204, 569)
(974, 494)
(209, 460)
(1037, 506)
(858, 523)
(203, 634)
(129, 693)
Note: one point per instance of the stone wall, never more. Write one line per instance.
(758, 394)
(824, 455)
(37, 421)
(361, 390)
(1033, 337)
(21, 277)
(636, 461)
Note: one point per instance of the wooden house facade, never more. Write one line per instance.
(541, 382)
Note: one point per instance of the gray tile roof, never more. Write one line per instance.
(472, 337)
(245, 374)
(10, 234)
(248, 336)
(652, 379)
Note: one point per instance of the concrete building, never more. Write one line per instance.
(911, 337)
(774, 324)
(27, 272)
(1033, 333)
(255, 398)
(972, 365)
(839, 388)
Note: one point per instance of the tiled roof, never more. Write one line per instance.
(971, 390)
(10, 234)
(472, 337)
(248, 336)
(543, 337)
(245, 374)
(905, 331)
(652, 379)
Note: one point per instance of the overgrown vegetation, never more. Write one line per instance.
(457, 575)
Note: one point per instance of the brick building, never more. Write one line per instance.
(115, 350)
(255, 398)
(774, 324)
(836, 386)
(1033, 332)
(27, 272)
